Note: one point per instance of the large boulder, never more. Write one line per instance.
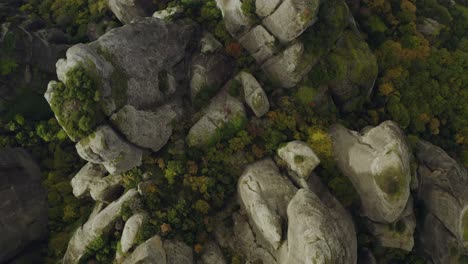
(154, 48)
(29, 57)
(318, 227)
(292, 18)
(265, 194)
(235, 20)
(23, 206)
(355, 68)
(300, 159)
(106, 147)
(155, 250)
(259, 43)
(398, 235)
(378, 164)
(98, 225)
(312, 235)
(131, 229)
(223, 110)
(146, 128)
(127, 10)
(208, 73)
(86, 178)
(254, 95)
(264, 8)
(212, 254)
(442, 193)
(285, 69)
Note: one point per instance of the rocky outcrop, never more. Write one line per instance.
(300, 159)
(85, 179)
(209, 44)
(145, 128)
(151, 251)
(312, 237)
(169, 12)
(131, 229)
(399, 234)
(254, 95)
(127, 10)
(265, 194)
(285, 68)
(259, 43)
(291, 18)
(224, 110)
(153, 47)
(23, 205)
(318, 228)
(29, 55)
(212, 254)
(356, 68)
(155, 250)
(106, 147)
(97, 225)
(233, 16)
(377, 163)
(208, 73)
(442, 193)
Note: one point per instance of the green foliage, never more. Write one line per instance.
(76, 103)
(248, 7)
(7, 66)
(71, 15)
(422, 81)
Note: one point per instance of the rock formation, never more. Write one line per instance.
(377, 163)
(23, 203)
(443, 232)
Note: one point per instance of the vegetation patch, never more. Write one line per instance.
(76, 103)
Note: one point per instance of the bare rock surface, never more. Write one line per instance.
(377, 163)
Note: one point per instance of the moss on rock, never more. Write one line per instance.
(76, 103)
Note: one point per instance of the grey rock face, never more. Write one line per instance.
(148, 129)
(154, 48)
(101, 223)
(209, 44)
(301, 159)
(177, 252)
(35, 54)
(223, 109)
(208, 72)
(442, 192)
(127, 10)
(130, 231)
(234, 18)
(212, 254)
(429, 27)
(85, 179)
(292, 18)
(107, 148)
(155, 250)
(377, 163)
(264, 8)
(108, 189)
(265, 194)
(355, 81)
(254, 95)
(23, 203)
(151, 251)
(399, 234)
(312, 237)
(284, 69)
(259, 43)
(168, 12)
